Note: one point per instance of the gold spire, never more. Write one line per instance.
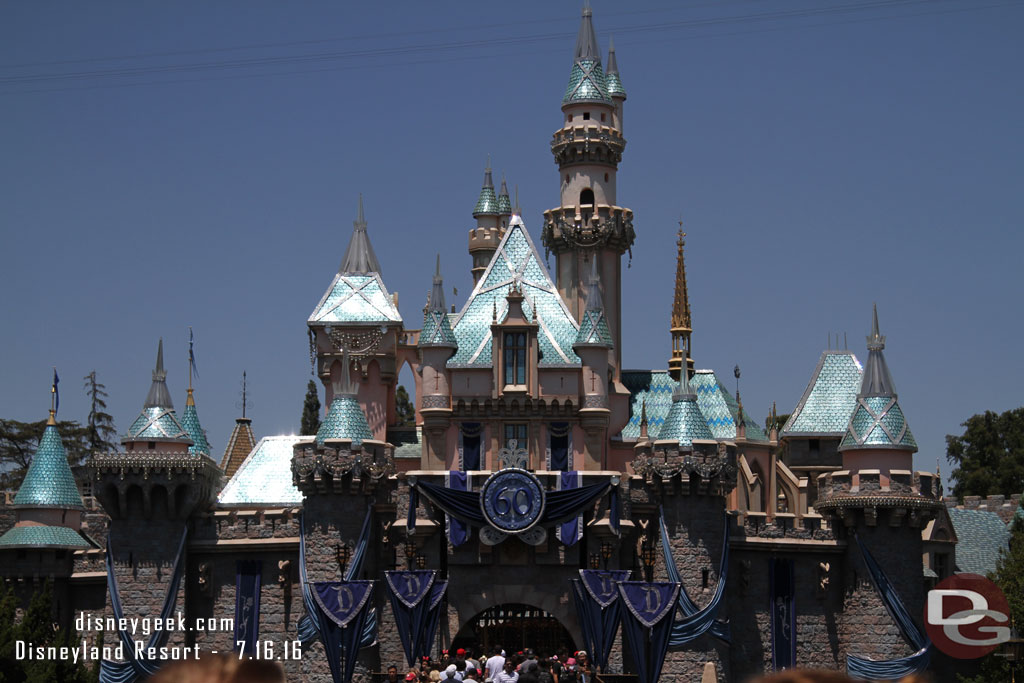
(681, 324)
(52, 420)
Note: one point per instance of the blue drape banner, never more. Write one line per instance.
(783, 613)
(136, 669)
(696, 621)
(891, 669)
(570, 532)
(458, 531)
(248, 575)
(647, 623)
(597, 603)
(415, 597)
(343, 608)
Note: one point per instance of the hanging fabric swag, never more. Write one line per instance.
(458, 532)
(465, 505)
(359, 628)
(248, 574)
(647, 623)
(596, 596)
(136, 669)
(415, 600)
(696, 621)
(891, 669)
(570, 532)
(783, 611)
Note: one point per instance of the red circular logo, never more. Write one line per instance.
(967, 616)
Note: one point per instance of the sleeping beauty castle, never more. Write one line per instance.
(547, 497)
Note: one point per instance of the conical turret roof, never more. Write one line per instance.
(684, 423)
(359, 258)
(587, 78)
(190, 421)
(158, 421)
(345, 418)
(437, 328)
(504, 201)
(49, 481)
(611, 76)
(877, 421)
(487, 202)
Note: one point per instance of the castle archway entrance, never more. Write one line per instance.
(514, 627)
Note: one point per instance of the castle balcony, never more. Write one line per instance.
(907, 496)
(586, 226)
(173, 482)
(341, 465)
(587, 143)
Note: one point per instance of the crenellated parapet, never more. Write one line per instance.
(341, 465)
(701, 471)
(899, 495)
(587, 143)
(161, 482)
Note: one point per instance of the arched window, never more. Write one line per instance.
(587, 196)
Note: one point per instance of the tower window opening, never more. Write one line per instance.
(586, 116)
(587, 196)
(606, 177)
(515, 358)
(569, 119)
(602, 117)
(704, 578)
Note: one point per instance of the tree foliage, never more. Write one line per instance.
(37, 627)
(404, 409)
(988, 458)
(99, 424)
(19, 441)
(311, 410)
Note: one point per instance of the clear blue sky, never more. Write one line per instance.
(195, 163)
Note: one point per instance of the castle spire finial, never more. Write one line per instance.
(359, 258)
(876, 341)
(681, 326)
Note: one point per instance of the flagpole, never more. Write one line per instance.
(190, 358)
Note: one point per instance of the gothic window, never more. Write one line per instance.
(515, 358)
(586, 116)
(559, 456)
(587, 196)
(470, 450)
(517, 433)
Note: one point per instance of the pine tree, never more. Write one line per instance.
(404, 409)
(311, 410)
(20, 440)
(100, 424)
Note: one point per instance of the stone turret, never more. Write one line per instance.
(593, 342)
(589, 223)
(492, 213)
(436, 345)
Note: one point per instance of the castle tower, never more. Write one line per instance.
(157, 427)
(878, 500)
(357, 316)
(436, 345)
(241, 442)
(588, 223)
(492, 213)
(682, 326)
(592, 345)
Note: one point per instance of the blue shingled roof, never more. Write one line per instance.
(437, 330)
(829, 399)
(356, 299)
(981, 535)
(190, 421)
(650, 388)
(878, 422)
(587, 83)
(265, 476)
(49, 482)
(345, 420)
(515, 262)
(42, 537)
(684, 423)
(720, 409)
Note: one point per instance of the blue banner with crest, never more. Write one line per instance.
(647, 623)
(248, 574)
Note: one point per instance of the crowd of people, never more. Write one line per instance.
(500, 667)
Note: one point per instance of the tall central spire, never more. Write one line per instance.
(159, 396)
(359, 257)
(586, 39)
(682, 326)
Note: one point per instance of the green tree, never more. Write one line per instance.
(779, 421)
(988, 458)
(99, 424)
(19, 441)
(37, 627)
(404, 409)
(311, 410)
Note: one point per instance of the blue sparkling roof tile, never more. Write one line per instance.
(265, 476)
(878, 422)
(49, 481)
(594, 330)
(437, 330)
(487, 203)
(829, 399)
(587, 83)
(981, 535)
(356, 299)
(345, 420)
(650, 388)
(684, 424)
(720, 409)
(42, 537)
(157, 423)
(190, 421)
(515, 262)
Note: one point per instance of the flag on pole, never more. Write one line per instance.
(55, 391)
(192, 355)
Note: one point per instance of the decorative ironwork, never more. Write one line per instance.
(666, 466)
(595, 401)
(310, 461)
(357, 343)
(513, 457)
(435, 402)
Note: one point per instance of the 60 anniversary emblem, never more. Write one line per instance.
(967, 616)
(512, 500)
